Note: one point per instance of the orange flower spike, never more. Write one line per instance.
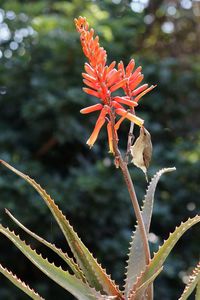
(129, 116)
(101, 80)
(89, 109)
(100, 122)
(81, 24)
(90, 45)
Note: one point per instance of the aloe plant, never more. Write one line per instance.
(87, 280)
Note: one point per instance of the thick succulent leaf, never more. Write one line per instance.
(136, 260)
(105, 297)
(144, 285)
(193, 281)
(93, 272)
(148, 202)
(20, 284)
(197, 295)
(163, 252)
(69, 282)
(74, 267)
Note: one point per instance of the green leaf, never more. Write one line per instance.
(136, 260)
(20, 284)
(163, 252)
(197, 295)
(93, 272)
(145, 284)
(193, 281)
(74, 267)
(69, 282)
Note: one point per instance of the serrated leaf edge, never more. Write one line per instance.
(103, 281)
(145, 274)
(74, 267)
(194, 278)
(197, 294)
(20, 284)
(145, 284)
(90, 293)
(149, 196)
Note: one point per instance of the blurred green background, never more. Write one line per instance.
(43, 134)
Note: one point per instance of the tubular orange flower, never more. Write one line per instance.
(91, 92)
(110, 137)
(144, 92)
(131, 117)
(102, 80)
(100, 122)
(133, 80)
(125, 100)
(140, 89)
(89, 109)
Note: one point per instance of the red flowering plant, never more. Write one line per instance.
(86, 279)
(103, 80)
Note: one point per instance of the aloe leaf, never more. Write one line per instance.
(159, 258)
(74, 267)
(145, 285)
(197, 295)
(194, 280)
(93, 271)
(20, 284)
(69, 282)
(136, 258)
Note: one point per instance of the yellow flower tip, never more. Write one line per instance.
(131, 117)
(111, 152)
(81, 24)
(140, 122)
(89, 143)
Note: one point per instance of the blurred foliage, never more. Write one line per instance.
(43, 134)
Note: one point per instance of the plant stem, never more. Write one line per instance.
(131, 190)
(130, 139)
(119, 162)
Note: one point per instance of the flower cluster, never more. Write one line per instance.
(102, 80)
